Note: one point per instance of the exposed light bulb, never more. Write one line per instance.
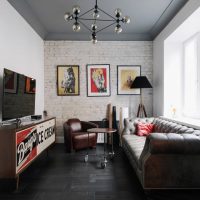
(76, 27)
(126, 19)
(68, 16)
(118, 12)
(94, 40)
(96, 14)
(76, 10)
(118, 28)
(94, 27)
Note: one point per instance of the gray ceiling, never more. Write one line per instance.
(148, 17)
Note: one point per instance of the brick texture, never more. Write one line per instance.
(82, 53)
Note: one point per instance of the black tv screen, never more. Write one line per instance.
(18, 95)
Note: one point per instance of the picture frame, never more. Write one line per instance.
(30, 85)
(68, 81)
(125, 76)
(10, 82)
(98, 80)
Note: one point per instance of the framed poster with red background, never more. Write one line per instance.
(98, 80)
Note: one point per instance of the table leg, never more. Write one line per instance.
(104, 152)
(112, 153)
(112, 142)
(86, 156)
(103, 164)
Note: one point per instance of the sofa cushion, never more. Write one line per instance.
(135, 145)
(83, 135)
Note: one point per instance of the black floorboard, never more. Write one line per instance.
(63, 176)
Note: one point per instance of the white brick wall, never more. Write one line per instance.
(82, 53)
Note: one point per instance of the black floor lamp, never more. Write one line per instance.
(141, 82)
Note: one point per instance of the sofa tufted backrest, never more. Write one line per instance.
(167, 126)
(160, 126)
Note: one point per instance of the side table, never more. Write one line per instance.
(105, 131)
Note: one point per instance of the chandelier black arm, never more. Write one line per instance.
(86, 12)
(84, 25)
(103, 20)
(106, 27)
(106, 13)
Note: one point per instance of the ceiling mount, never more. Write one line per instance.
(79, 19)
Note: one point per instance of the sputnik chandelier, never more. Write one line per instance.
(95, 11)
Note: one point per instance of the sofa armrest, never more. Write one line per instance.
(173, 143)
(177, 155)
(87, 125)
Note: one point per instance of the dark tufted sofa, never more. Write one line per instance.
(167, 158)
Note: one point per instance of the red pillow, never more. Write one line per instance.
(144, 129)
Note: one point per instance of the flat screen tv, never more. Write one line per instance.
(18, 95)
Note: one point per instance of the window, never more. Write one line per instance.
(191, 77)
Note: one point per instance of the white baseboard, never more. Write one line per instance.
(59, 139)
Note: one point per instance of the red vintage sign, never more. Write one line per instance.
(26, 144)
(33, 141)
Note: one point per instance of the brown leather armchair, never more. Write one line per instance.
(76, 136)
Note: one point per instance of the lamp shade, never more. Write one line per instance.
(141, 82)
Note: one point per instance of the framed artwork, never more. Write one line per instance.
(98, 80)
(125, 77)
(30, 85)
(10, 81)
(68, 80)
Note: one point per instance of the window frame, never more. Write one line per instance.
(197, 37)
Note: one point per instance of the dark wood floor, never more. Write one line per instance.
(62, 176)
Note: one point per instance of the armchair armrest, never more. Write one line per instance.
(173, 143)
(87, 125)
